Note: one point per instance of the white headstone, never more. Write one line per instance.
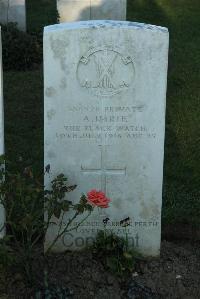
(82, 10)
(105, 91)
(2, 213)
(13, 11)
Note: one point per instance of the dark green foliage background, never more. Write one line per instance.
(21, 51)
(23, 93)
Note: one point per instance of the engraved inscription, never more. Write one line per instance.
(107, 123)
(105, 71)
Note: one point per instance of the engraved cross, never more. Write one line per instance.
(104, 171)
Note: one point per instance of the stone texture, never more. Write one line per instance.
(82, 10)
(2, 214)
(105, 91)
(13, 11)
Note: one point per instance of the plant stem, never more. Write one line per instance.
(66, 230)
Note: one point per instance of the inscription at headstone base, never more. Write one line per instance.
(2, 212)
(13, 11)
(105, 91)
(83, 10)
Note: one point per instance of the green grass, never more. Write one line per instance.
(182, 145)
(24, 101)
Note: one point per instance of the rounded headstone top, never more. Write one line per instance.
(104, 24)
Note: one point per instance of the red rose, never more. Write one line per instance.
(98, 198)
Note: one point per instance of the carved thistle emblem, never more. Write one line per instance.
(105, 71)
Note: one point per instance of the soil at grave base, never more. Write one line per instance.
(176, 274)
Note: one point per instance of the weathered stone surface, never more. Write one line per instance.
(105, 90)
(108, 10)
(2, 213)
(13, 11)
(82, 10)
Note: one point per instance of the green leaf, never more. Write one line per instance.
(89, 208)
(70, 188)
(57, 212)
(127, 255)
(65, 206)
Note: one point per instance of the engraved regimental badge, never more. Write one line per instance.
(105, 71)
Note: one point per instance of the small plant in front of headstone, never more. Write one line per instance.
(115, 252)
(25, 201)
(21, 196)
(56, 206)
